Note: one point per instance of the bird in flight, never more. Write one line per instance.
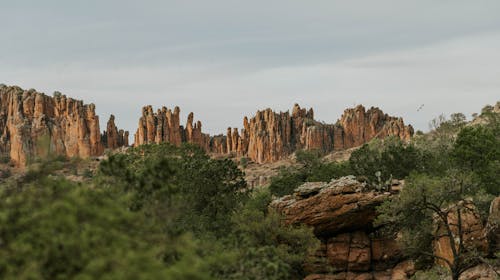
(420, 108)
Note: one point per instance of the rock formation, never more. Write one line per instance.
(341, 213)
(474, 232)
(36, 125)
(339, 206)
(360, 126)
(493, 226)
(164, 126)
(33, 124)
(114, 138)
(271, 136)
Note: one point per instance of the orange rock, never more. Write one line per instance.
(360, 126)
(385, 253)
(493, 226)
(341, 205)
(271, 136)
(403, 271)
(337, 251)
(474, 232)
(360, 252)
(113, 138)
(33, 124)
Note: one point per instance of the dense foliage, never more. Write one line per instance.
(460, 165)
(154, 212)
(165, 212)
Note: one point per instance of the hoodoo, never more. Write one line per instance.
(34, 124)
(271, 136)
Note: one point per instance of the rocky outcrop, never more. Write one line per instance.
(342, 205)
(34, 124)
(271, 136)
(493, 226)
(360, 126)
(472, 228)
(164, 126)
(112, 137)
(341, 213)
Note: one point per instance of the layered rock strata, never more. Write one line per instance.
(341, 213)
(271, 136)
(471, 226)
(36, 125)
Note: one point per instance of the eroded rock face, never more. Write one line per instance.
(342, 205)
(270, 136)
(341, 213)
(360, 126)
(34, 124)
(112, 137)
(493, 226)
(163, 126)
(480, 272)
(474, 232)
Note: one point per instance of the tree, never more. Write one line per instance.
(184, 180)
(477, 149)
(426, 202)
(263, 246)
(56, 229)
(391, 157)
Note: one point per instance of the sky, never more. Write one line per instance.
(225, 59)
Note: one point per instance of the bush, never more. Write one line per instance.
(391, 157)
(264, 247)
(57, 230)
(163, 176)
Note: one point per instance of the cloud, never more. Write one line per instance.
(454, 76)
(226, 59)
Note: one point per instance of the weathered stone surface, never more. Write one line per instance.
(337, 251)
(474, 232)
(340, 206)
(360, 252)
(34, 124)
(164, 126)
(342, 212)
(360, 126)
(480, 272)
(403, 271)
(270, 136)
(113, 138)
(385, 253)
(493, 226)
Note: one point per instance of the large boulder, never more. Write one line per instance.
(342, 212)
(342, 205)
(493, 226)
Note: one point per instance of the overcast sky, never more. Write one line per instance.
(226, 59)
